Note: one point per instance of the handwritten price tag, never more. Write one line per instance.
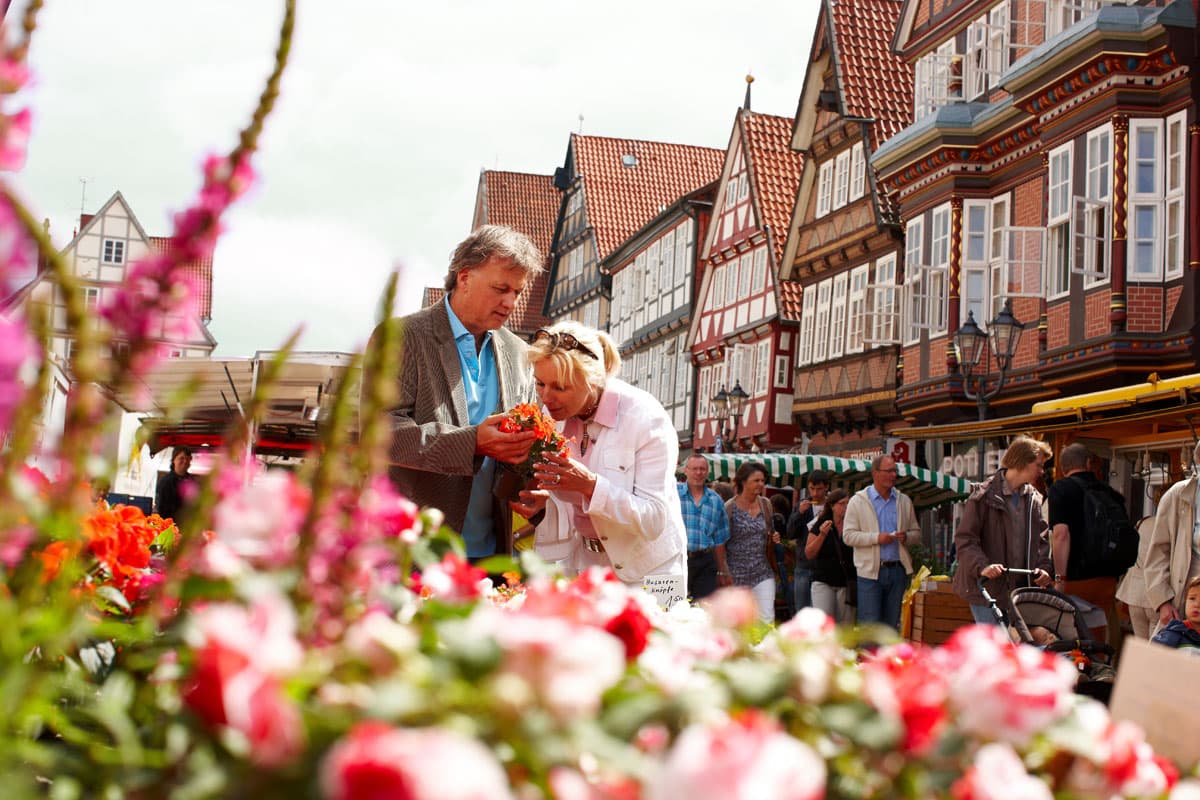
(667, 589)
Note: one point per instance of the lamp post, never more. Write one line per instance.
(972, 344)
(727, 405)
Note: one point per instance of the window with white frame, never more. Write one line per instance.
(856, 310)
(987, 51)
(666, 271)
(683, 252)
(760, 269)
(781, 372)
(925, 281)
(638, 281)
(858, 172)
(91, 296)
(683, 373)
(937, 79)
(114, 251)
(731, 282)
(1063, 14)
(977, 262)
(824, 188)
(1058, 222)
(762, 369)
(821, 326)
(718, 287)
(731, 191)
(706, 391)
(1091, 213)
(745, 273)
(882, 325)
(841, 180)
(914, 272)
(744, 186)
(1173, 218)
(808, 316)
(653, 265)
(837, 315)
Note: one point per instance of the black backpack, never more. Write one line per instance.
(1110, 545)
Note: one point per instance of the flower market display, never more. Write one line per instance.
(315, 635)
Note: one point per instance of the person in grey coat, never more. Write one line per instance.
(459, 371)
(1002, 527)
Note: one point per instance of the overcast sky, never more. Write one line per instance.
(390, 109)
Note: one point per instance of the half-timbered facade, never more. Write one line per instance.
(845, 246)
(99, 255)
(1052, 163)
(744, 330)
(529, 204)
(654, 287)
(610, 189)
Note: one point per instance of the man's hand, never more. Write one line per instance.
(724, 578)
(805, 505)
(1042, 578)
(1167, 612)
(508, 447)
(994, 571)
(776, 538)
(901, 536)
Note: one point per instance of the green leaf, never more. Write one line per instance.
(114, 597)
(755, 683)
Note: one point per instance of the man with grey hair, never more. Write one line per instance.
(1173, 557)
(459, 371)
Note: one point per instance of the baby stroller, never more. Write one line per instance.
(1050, 620)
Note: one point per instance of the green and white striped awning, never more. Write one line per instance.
(926, 487)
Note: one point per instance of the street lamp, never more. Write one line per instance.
(972, 342)
(727, 406)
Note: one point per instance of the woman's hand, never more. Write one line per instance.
(559, 473)
(532, 502)
(1042, 578)
(992, 571)
(826, 527)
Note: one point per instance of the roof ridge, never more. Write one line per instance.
(642, 141)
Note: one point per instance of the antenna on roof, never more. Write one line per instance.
(746, 102)
(581, 124)
(82, 196)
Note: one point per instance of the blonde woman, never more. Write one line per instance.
(614, 502)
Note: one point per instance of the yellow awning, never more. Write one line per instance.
(1125, 396)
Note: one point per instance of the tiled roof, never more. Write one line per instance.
(791, 293)
(433, 294)
(201, 272)
(875, 82)
(775, 170)
(621, 199)
(528, 203)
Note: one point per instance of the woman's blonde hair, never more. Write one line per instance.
(1023, 451)
(571, 365)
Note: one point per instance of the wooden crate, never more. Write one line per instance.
(937, 613)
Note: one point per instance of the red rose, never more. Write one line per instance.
(632, 627)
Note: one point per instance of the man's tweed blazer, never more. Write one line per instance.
(433, 459)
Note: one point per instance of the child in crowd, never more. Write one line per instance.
(1185, 633)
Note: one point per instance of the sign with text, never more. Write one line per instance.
(1156, 688)
(667, 589)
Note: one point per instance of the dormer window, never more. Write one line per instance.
(114, 251)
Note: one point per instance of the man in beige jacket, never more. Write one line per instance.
(880, 523)
(1172, 559)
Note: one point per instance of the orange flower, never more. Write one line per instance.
(529, 417)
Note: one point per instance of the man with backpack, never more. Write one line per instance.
(1092, 539)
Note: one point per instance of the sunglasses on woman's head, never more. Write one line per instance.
(564, 341)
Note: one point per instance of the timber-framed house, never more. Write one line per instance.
(1052, 163)
(610, 189)
(845, 248)
(654, 287)
(743, 332)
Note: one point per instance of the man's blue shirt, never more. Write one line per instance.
(706, 522)
(886, 511)
(482, 386)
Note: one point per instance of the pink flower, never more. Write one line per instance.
(13, 545)
(1121, 763)
(17, 347)
(381, 507)
(732, 607)
(998, 774)
(809, 624)
(14, 139)
(261, 522)
(240, 655)
(1000, 690)
(452, 580)
(747, 758)
(905, 682)
(14, 75)
(567, 665)
(377, 762)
